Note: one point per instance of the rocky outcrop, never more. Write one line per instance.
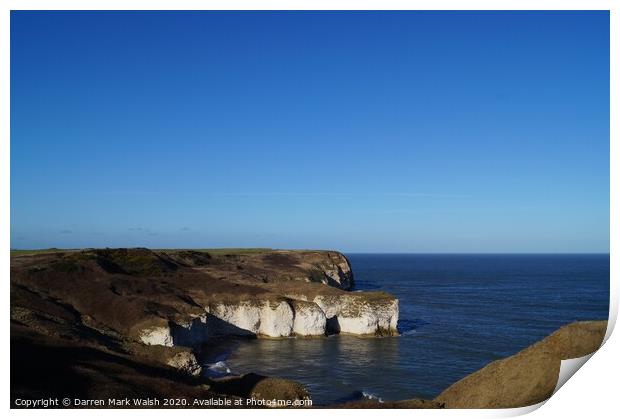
(185, 297)
(157, 335)
(271, 389)
(185, 362)
(264, 391)
(524, 379)
(157, 307)
(530, 376)
(359, 315)
(338, 272)
(45, 366)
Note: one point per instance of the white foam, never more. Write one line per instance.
(371, 396)
(219, 367)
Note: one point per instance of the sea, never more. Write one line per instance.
(457, 313)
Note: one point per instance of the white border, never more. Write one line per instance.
(591, 394)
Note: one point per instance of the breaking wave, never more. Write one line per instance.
(219, 369)
(371, 396)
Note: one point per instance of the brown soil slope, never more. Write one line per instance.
(530, 376)
(526, 378)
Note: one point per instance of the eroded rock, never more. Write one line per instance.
(360, 315)
(157, 335)
(266, 318)
(186, 362)
(309, 319)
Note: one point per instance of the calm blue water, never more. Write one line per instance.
(457, 314)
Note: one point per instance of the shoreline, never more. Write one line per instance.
(124, 312)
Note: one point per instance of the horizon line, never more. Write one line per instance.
(328, 250)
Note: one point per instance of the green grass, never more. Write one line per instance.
(226, 251)
(19, 252)
(220, 251)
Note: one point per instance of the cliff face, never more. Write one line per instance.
(183, 298)
(167, 297)
(371, 315)
(268, 266)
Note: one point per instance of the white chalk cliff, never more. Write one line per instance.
(351, 313)
(274, 294)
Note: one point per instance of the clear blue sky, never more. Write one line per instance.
(363, 132)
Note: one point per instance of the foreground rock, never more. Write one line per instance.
(45, 367)
(528, 377)
(262, 388)
(524, 379)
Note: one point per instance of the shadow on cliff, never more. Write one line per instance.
(332, 326)
(199, 332)
(48, 367)
(44, 367)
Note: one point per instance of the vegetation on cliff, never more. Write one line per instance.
(139, 313)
